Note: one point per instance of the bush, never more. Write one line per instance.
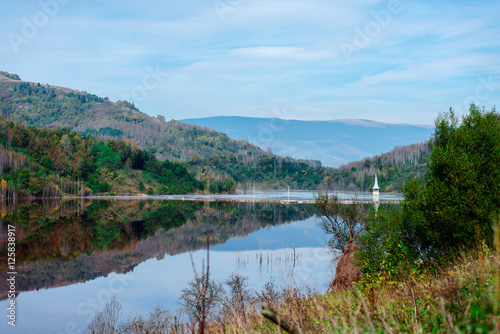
(450, 210)
(454, 207)
(382, 253)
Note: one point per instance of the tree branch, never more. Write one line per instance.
(273, 316)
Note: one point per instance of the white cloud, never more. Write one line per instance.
(278, 53)
(446, 68)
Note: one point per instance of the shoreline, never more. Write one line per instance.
(390, 199)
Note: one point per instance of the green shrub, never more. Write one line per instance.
(454, 207)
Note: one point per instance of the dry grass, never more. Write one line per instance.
(462, 298)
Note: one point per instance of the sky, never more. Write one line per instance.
(395, 61)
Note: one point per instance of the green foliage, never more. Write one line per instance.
(449, 211)
(37, 161)
(10, 75)
(105, 157)
(383, 254)
(269, 171)
(173, 176)
(224, 184)
(455, 206)
(105, 131)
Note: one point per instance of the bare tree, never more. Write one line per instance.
(105, 322)
(200, 298)
(344, 221)
(202, 295)
(239, 297)
(158, 321)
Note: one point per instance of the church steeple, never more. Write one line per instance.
(376, 183)
(376, 189)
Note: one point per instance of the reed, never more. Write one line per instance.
(462, 297)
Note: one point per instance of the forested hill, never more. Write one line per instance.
(50, 163)
(45, 106)
(221, 163)
(393, 169)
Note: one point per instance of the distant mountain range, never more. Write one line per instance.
(333, 142)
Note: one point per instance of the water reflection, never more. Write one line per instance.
(62, 243)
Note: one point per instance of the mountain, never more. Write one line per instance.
(46, 106)
(333, 142)
(223, 163)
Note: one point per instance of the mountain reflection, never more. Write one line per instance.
(62, 243)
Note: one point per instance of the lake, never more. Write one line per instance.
(71, 256)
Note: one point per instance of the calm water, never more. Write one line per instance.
(284, 195)
(72, 256)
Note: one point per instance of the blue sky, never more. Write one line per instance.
(397, 61)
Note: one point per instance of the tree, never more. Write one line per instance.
(201, 297)
(239, 295)
(65, 142)
(345, 221)
(454, 207)
(106, 320)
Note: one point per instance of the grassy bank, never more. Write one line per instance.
(462, 297)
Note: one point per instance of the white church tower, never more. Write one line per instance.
(376, 189)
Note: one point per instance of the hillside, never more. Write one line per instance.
(223, 163)
(50, 163)
(45, 106)
(392, 168)
(332, 142)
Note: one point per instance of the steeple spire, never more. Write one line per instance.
(376, 183)
(376, 189)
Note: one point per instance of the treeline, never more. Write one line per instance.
(47, 163)
(393, 169)
(10, 75)
(270, 172)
